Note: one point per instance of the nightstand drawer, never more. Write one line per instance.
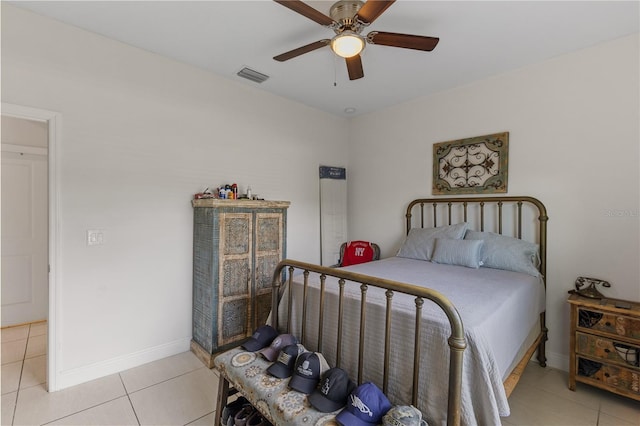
(607, 350)
(610, 323)
(620, 378)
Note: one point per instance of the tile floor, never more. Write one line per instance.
(179, 390)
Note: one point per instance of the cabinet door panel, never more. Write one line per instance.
(236, 277)
(237, 233)
(233, 321)
(269, 232)
(265, 265)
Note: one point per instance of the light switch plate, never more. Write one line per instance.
(95, 237)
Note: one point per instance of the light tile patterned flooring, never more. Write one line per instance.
(179, 390)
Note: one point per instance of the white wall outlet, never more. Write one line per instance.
(95, 237)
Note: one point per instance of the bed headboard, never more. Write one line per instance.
(520, 217)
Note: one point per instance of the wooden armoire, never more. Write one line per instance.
(236, 247)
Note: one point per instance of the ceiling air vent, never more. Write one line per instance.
(252, 75)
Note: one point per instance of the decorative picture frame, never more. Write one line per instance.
(471, 166)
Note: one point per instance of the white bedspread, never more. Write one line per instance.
(498, 309)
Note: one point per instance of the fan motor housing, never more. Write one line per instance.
(344, 11)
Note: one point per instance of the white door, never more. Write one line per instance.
(24, 237)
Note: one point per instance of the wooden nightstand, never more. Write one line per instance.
(605, 345)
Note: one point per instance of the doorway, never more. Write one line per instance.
(30, 221)
(25, 233)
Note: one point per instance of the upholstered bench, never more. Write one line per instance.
(246, 372)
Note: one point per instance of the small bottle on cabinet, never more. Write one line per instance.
(248, 191)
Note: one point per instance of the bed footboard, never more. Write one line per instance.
(456, 340)
(269, 396)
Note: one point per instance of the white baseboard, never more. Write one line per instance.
(100, 369)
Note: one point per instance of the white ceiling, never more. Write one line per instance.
(477, 39)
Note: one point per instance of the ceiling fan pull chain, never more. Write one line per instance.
(335, 72)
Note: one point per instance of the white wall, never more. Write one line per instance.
(574, 144)
(140, 135)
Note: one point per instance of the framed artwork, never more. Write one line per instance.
(475, 165)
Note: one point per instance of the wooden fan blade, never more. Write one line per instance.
(307, 11)
(354, 66)
(407, 41)
(302, 50)
(372, 9)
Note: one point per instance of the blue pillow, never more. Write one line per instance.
(458, 252)
(419, 243)
(511, 254)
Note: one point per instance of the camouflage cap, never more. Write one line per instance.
(403, 415)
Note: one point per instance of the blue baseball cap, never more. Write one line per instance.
(365, 406)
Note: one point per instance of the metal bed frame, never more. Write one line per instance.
(430, 209)
(480, 211)
(456, 341)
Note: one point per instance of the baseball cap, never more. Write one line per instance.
(283, 367)
(365, 406)
(307, 372)
(262, 337)
(333, 390)
(403, 415)
(272, 351)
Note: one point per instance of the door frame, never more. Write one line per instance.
(54, 123)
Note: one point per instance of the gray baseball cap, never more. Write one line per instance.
(271, 352)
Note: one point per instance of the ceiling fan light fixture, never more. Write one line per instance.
(347, 44)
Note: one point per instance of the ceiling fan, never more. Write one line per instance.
(348, 19)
